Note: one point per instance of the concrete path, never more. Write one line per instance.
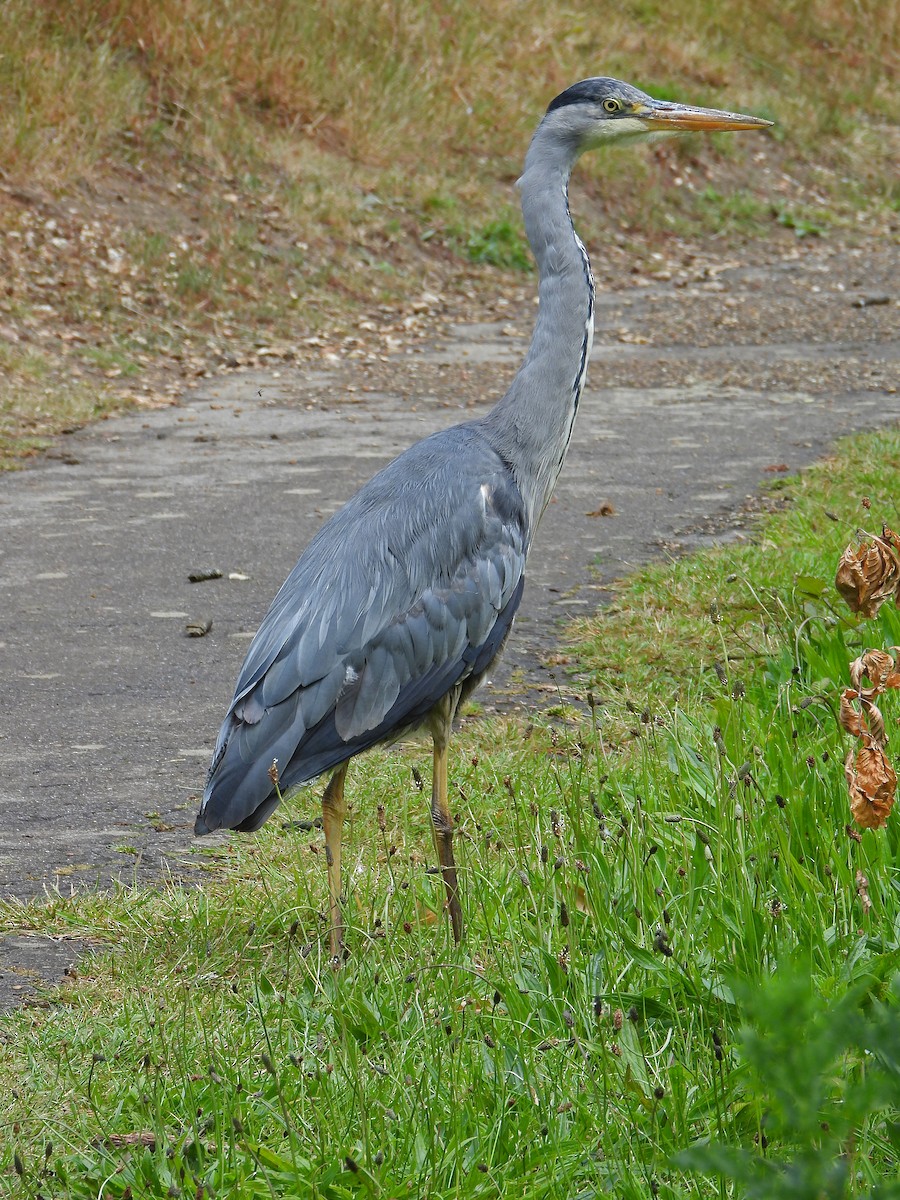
(109, 711)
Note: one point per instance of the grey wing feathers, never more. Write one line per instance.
(405, 592)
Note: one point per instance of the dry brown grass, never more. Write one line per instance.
(402, 80)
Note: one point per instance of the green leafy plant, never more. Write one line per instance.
(500, 243)
(804, 225)
(817, 1071)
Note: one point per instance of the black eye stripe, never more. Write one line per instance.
(598, 91)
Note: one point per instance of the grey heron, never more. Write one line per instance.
(404, 598)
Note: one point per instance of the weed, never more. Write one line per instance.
(740, 209)
(193, 281)
(110, 359)
(802, 225)
(810, 1097)
(500, 243)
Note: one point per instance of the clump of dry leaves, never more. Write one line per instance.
(868, 575)
(870, 777)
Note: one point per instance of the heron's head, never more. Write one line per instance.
(596, 111)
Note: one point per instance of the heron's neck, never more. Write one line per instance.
(531, 426)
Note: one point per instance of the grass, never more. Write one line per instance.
(732, 610)
(182, 180)
(42, 398)
(502, 244)
(381, 81)
(674, 982)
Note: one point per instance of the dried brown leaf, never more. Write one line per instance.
(862, 890)
(869, 575)
(875, 665)
(868, 723)
(139, 1137)
(850, 719)
(872, 784)
(875, 722)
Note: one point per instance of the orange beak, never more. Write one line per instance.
(683, 118)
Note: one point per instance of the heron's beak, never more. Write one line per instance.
(684, 118)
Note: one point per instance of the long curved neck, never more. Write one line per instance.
(531, 425)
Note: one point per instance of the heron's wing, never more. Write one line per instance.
(410, 589)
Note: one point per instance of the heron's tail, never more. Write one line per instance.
(241, 791)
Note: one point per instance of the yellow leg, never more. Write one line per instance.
(442, 821)
(333, 809)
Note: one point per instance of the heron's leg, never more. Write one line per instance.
(441, 818)
(333, 809)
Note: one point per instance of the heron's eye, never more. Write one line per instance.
(612, 106)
